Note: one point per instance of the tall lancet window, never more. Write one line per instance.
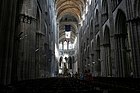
(70, 45)
(67, 31)
(60, 45)
(65, 45)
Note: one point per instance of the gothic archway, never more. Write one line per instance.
(107, 52)
(97, 21)
(104, 11)
(121, 45)
(98, 57)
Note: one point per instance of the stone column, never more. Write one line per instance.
(133, 26)
(62, 47)
(68, 45)
(7, 30)
(26, 62)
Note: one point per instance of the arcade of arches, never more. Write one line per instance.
(53, 38)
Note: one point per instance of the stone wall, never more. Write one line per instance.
(26, 40)
(111, 38)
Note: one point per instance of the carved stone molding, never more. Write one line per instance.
(26, 19)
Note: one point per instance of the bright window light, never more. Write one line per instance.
(60, 45)
(86, 8)
(67, 34)
(83, 16)
(70, 45)
(65, 45)
(89, 1)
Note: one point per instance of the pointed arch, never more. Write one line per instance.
(121, 45)
(120, 22)
(107, 35)
(97, 21)
(104, 11)
(107, 52)
(97, 17)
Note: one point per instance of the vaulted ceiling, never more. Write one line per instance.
(69, 12)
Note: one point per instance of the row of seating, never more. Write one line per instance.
(51, 85)
(74, 85)
(115, 84)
